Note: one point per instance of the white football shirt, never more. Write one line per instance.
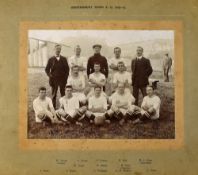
(154, 102)
(98, 77)
(79, 61)
(41, 106)
(78, 83)
(124, 99)
(69, 104)
(122, 77)
(97, 102)
(116, 60)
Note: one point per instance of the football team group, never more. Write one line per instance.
(85, 96)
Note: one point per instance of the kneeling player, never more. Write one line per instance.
(70, 110)
(97, 106)
(150, 106)
(122, 106)
(43, 108)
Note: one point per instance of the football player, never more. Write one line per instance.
(70, 110)
(122, 107)
(43, 108)
(150, 107)
(97, 107)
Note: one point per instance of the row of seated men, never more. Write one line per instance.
(97, 107)
(81, 85)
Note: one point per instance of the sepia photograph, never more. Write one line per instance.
(98, 87)
(101, 84)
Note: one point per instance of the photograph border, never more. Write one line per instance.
(101, 144)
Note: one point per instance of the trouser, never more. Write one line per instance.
(136, 93)
(166, 77)
(61, 83)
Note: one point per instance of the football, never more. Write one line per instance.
(99, 120)
(41, 115)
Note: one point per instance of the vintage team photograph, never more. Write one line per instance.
(101, 84)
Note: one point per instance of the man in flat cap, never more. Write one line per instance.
(97, 57)
(57, 70)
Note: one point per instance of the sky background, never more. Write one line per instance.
(112, 37)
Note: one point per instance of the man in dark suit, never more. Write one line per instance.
(167, 63)
(141, 70)
(97, 58)
(57, 70)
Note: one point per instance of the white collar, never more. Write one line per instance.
(139, 57)
(57, 57)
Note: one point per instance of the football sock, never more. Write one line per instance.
(107, 116)
(119, 115)
(92, 117)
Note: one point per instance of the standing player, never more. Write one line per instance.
(57, 70)
(77, 81)
(70, 110)
(96, 79)
(97, 106)
(121, 105)
(77, 60)
(121, 76)
(43, 108)
(150, 106)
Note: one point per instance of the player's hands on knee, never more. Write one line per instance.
(151, 110)
(114, 108)
(83, 109)
(61, 112)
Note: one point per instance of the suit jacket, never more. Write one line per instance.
(50, 67)
(146, 71)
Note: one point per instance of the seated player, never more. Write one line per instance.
(122, 106)
(70, 110)
(43, 108)
(97, 106)
(77, 81)
(122, 76)
(150, 107)
(96, 79)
